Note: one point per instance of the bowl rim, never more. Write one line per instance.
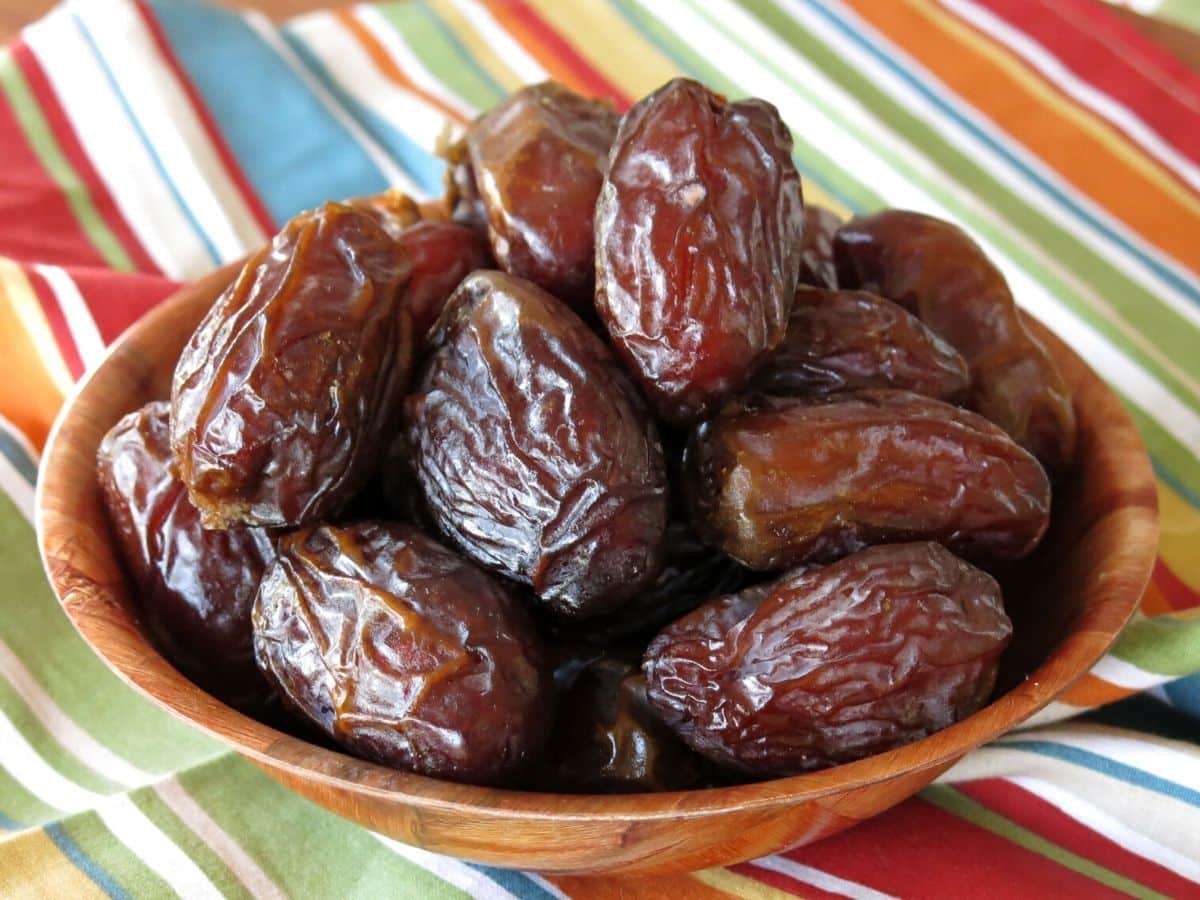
(257, 741)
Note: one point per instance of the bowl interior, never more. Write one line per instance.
(1068, 602)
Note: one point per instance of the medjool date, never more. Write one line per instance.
(832, 664)
(698, 244)
(403, 652)
(817, 267)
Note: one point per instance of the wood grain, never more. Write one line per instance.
(1069, 603)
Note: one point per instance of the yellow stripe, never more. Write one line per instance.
(740, 885)
(1179, 535)
(1059, 105)
(477, 46)
(31, 866)
(28, 309)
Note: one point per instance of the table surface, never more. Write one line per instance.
(1183, 43)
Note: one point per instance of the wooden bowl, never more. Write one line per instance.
(1068, 603)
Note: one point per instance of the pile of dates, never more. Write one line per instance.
(626, 471)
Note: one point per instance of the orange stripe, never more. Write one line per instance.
(384, 62)
(1091, 691)
(554, 66)
(1095, 159)
(1154, 603)
(31, 401)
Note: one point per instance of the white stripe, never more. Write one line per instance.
(171, 125)
(69, 735)
(1099, 821)
(230, 852)
(1099, 102)
(819, 879)
(1005, 171)
(160, 854)
(392, 40)
(494, 35)
(898, 189)
(122, 161)
(27, 306)
(450, 870)
(85, 334)
(1053, 712)
(262, 26)
(1126, 675)
(17, 488)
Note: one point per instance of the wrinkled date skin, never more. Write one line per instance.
(403, 652)
(832, 664)
(538, 159)
(698, 244)
(693, 573)
(535, 454)
(776, 482)
(842, 340)
(934, 269)
(607, 738)
(285, 396)
(195, 587)
(817, 267)
(442, 255)
(393, 210)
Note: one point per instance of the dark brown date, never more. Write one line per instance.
(698, 244)
(194, 587)
(403, 652)
(832, 664)
(462, 196)
(817, 267)
(842, 340)
(393, 210)
(775, 482)
(534, 452)
(538, 159)
(934, 269)
(285, 396)
(442, 255)
(607, 738)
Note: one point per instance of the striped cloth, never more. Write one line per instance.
(143, 142)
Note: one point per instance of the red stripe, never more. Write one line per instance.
(589, 77)
(257, 208)
(1177, 594)
(782, 882)
(116, 300)
(70, 147)
(1117, 60)
(1032, 812)
(918, 850)
(58, 322)
(36, 223)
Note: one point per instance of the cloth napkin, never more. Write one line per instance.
(144, 142)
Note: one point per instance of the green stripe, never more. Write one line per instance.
(19, 805)
(958, 804)
(1140, 310)
(307, 851)
(1161, 645)
(38, 632)
(435, 44)
(40, 137)
(103, 848)
(1168, 452)
(186, 840)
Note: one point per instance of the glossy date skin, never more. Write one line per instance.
(442, 255)
(607, 738)
(817, 267)
(195, 587)
(935, 270)
(698, 244)
(403, 652)
(843, 340)
(393, 210)
(538, 159)
(832, 664)
(776, 482)
(284, 397)
(535, 454)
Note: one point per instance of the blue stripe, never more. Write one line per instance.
(290, 146)
(516, 883)
(1182, 284)
(17, 455)
(1106, 766)
(137, 126)
(84, 863)
(419, 164)
(1185, 694)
